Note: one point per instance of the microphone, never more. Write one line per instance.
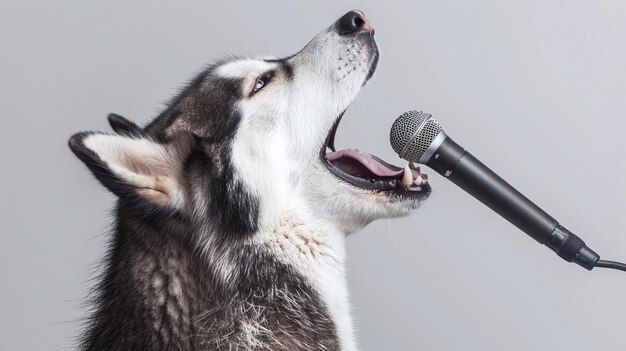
(418, 137)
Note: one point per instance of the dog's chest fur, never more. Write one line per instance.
(282, 294)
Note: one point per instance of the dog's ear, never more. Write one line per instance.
(123, 126)
(132, 165)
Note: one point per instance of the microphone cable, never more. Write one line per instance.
(611, 264)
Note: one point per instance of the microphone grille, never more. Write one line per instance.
(412, 133)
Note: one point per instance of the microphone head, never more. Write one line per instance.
(412, 133)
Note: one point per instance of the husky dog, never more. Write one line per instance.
(233, 213)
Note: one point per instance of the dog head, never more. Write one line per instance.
(247, 139)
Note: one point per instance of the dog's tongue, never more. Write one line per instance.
(353, 161)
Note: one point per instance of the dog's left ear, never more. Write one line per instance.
(136, 166)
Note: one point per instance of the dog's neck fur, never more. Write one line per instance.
(288, 292)
(317, 251)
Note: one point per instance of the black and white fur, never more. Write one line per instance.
(230, 228)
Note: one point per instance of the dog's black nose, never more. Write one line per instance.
(352, 22)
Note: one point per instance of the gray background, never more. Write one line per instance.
(535, 89)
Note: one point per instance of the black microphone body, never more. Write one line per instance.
(463, 169)
(452, 161)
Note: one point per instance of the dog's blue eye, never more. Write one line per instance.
(261, 82)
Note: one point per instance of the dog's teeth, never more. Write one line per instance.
(419, 180)
(407, 176)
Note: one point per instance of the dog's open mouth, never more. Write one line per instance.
(367, 171)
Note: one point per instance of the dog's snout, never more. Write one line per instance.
(352, 22)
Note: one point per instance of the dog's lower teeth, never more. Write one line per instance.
(419, 180)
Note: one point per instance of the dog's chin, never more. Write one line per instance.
(349, 207)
